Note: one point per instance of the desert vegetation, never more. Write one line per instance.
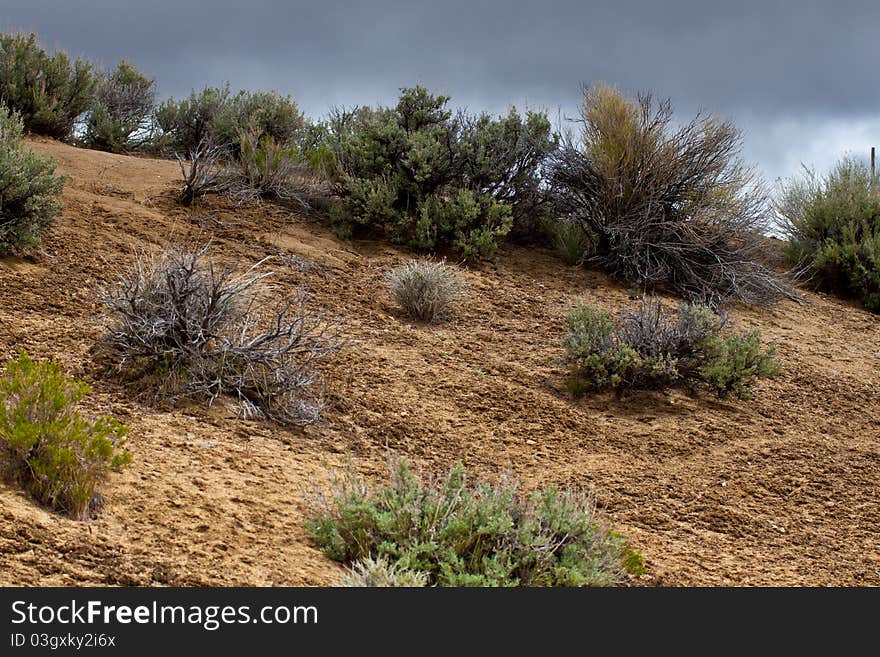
(430, 178)
(659, 205)
(29, 188)
(646, 348)
(50, 92)
(201, 330)
(664, 206)
(452, 532)
(57, 455)
(119, 119)
(832, 226)
(424, 289)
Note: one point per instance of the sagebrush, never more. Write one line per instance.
(432, 179)
(664, 206)
(425, 289)
(647, 348)
(832, 224)
(204, 331)
(50, 92)
(120, 117)
(453, 532)
(29, 188)
(57, 455)
(376, 573)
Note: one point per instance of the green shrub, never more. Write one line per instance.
(29, 188)
(57, 455)
(425, 290)
(645, 349)
(833, 229)
(48, 91)
(380, 573)
(458, 534)
(735, 361)
(266, 169)
(430, 179)
(119, 118)
(218, 117)
(205, 117)
(269, 114)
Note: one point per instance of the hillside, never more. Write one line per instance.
(781, 490)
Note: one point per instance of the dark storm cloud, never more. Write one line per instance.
(776, 67)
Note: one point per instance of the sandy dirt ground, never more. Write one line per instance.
(781, 490)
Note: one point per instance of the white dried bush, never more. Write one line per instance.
(375, 573)
(204, 331)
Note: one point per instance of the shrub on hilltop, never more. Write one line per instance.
(665, 206)
(431, 179)
(833, 228)
(29, 188)
(49, 92)
(120, 118)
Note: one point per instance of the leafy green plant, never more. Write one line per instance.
(431, 179)
(56, 454)
(833, 229)
(208, 116)
(266, 169)
(645, 349)
(735, 361)
(119, 118)
(569, 239)
(425, 290)
(48, 91)
(462, 534)
(29, 188)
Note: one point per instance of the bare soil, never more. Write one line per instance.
(780, 490)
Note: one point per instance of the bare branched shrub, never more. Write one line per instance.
(205, 332)
(426, 290)
(204, 171)
(666, 207)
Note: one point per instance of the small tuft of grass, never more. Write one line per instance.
(424, 289)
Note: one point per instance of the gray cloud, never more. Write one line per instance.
(800, 77)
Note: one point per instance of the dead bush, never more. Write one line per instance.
(203, 331)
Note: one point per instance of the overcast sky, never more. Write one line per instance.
(800, 77)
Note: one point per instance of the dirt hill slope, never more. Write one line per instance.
(780, 490)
